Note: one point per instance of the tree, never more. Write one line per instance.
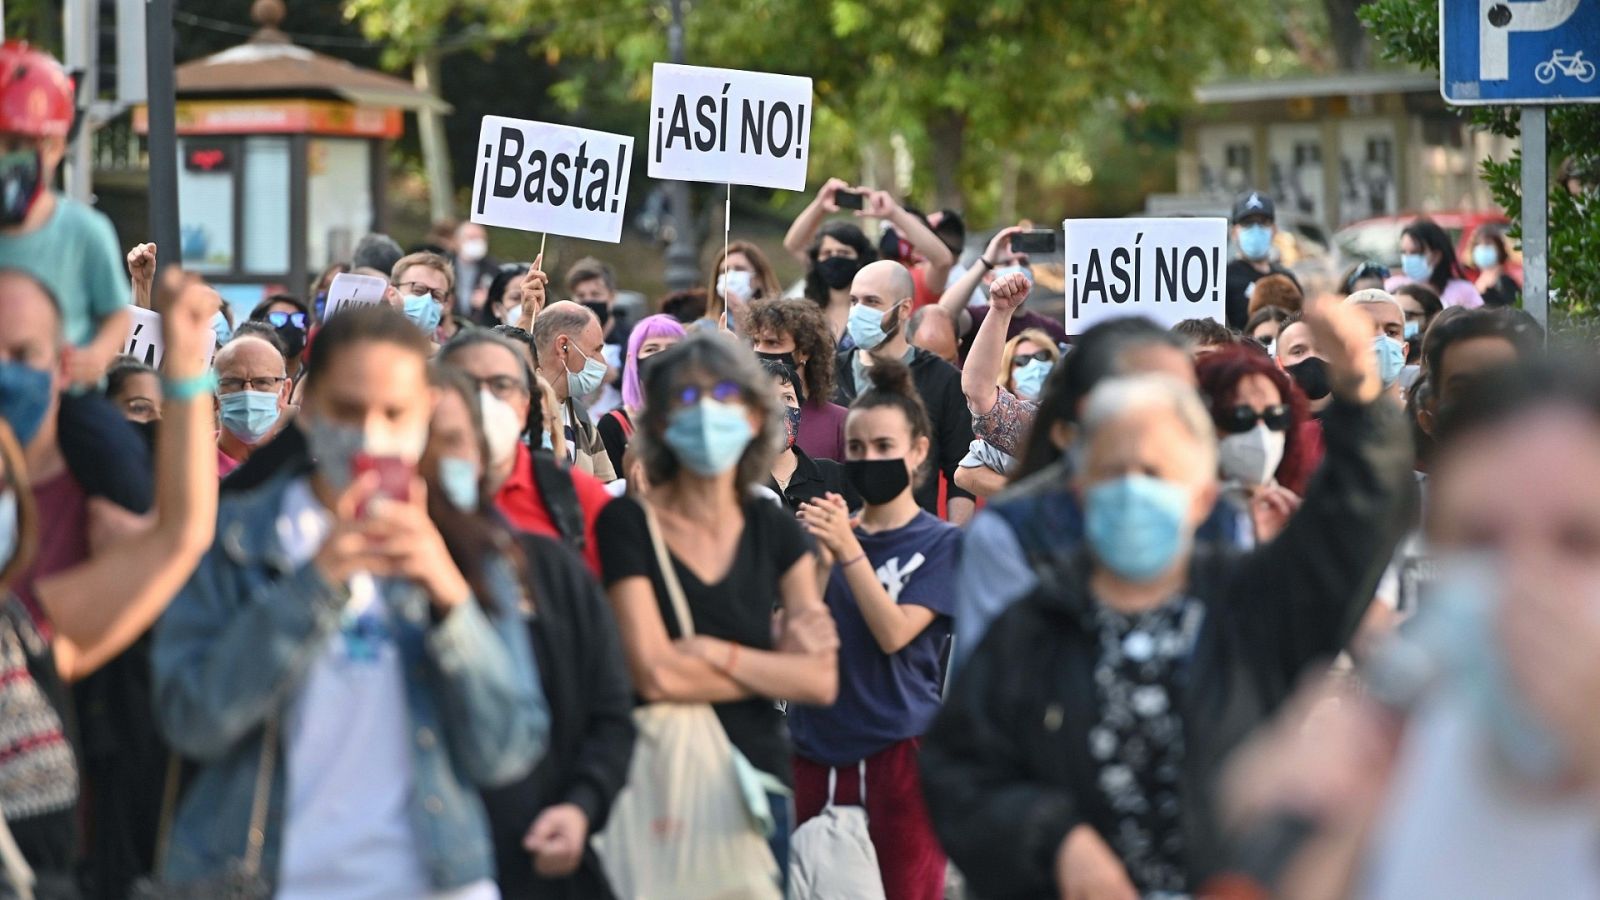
(948, 75)
(1408, 31)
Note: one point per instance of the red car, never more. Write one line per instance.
(1378, 240)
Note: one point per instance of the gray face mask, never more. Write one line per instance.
(333, 447)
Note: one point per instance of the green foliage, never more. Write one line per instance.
(962, 81)
(1408, 31)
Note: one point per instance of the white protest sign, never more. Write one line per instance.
(349, 289)
(145, 342)
(729, 126)
(536, 176)
(1167, 270)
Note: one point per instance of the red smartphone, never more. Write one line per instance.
(394, 476)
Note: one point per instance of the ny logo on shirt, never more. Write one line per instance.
(893, 578)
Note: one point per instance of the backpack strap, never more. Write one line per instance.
(560, 498)
(621, 418)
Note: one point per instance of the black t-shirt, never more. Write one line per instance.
(1241, 274)
(1504, 292)
(738, 608)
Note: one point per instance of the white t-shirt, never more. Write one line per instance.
(347, 830)
(607, 396)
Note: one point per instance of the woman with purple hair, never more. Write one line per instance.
(651, 336)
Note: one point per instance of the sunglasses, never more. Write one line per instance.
(1369, 270)
(1043, 356)
(723, 392)
(1243, 418)
(281, 319)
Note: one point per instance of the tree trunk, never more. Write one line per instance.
(1010, 174)
(435, 151)
(1349, 36)
(947, 133)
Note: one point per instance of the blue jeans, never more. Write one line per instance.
(782, 825)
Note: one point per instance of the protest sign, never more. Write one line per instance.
(536, 176)
(1166, 270)
(145, 342)
(726, 126)
(349, 289)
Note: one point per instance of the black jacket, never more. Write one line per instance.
(1006, 766)
(939, 385)
(812, 479)
(586, 683)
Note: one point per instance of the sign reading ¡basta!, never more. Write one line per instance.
(727, 126)
(535, 176)
(1167, 270)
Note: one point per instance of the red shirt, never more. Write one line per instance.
(63, 513)
(519, 501)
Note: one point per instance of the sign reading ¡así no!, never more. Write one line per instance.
(349, 290)
(727, 126)
(537, 176)
(1167, 270)
(145, 341)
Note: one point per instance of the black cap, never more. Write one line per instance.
(1254, 203)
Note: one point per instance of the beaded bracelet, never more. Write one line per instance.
(189, 388)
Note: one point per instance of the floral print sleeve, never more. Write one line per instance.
(1007, 423)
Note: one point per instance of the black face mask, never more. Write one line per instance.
(878, 480)
(645, 366)
(785, 358)
(20, 185)
(601, 310)
(1311, 374)
(294, 340)
(838, 271)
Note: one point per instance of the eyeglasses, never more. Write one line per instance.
(723, 392)
(265, 384)
(1243, 418)
(1043, 356)
(280, 319)
(417, 289)
(503, 387)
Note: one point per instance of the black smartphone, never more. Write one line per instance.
(849, 200)
(1039, 240)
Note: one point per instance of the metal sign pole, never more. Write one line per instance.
(1535, 216)
(163, 141)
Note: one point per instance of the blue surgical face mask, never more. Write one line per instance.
(1024, 271)
(1255, 242)
(1137, 525)
(249, 415)
(221, 328)
(1412, 330)
(1415, 266)
(865, 326)
(545, 443)
(458, 478)
(1031, 377)
(9, 526)
(1457, 627)
(587, 380)
(1485, 256)
(424, 313)
(1391, 359)
(710, 436)
(24, 399)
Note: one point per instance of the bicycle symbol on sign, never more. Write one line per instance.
(1572, 65)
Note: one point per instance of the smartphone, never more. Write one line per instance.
(394, 476)
(1039, 240)
(849, 200)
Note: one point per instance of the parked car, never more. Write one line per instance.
(1378, 240)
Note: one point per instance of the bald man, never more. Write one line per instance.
(252, 394)
(880, 306)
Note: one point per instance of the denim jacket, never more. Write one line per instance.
(235, 647)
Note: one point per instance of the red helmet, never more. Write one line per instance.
(36, 96)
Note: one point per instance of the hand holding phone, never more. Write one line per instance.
(849, 199)
(394, 477)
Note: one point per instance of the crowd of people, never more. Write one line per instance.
(489, 590)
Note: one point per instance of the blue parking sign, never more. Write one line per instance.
(1497, 52)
